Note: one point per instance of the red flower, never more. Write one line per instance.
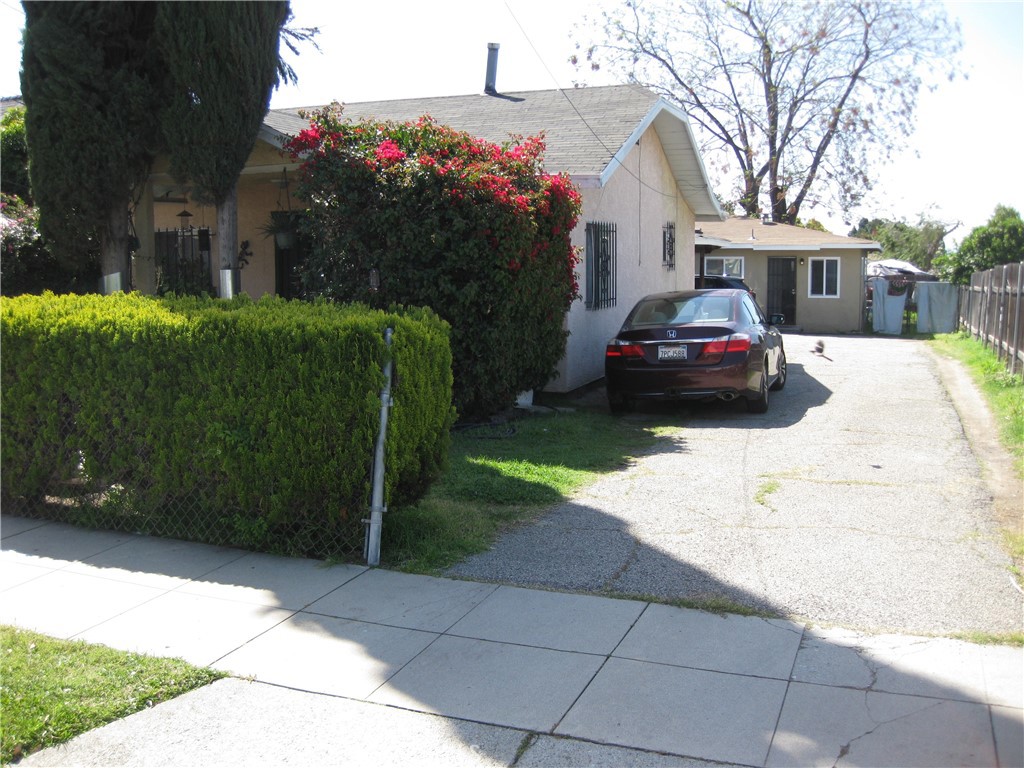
(388, 153)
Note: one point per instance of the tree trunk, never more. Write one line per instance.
(114, 250)
(751, 192)
(227, 242)
(227, 230)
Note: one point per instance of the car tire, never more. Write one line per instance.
(759, 404)
(780, 381)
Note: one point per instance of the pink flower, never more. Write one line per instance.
(388, 153)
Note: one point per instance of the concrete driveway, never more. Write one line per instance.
(855, 501)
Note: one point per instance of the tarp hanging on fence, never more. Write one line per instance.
(886, 309)
(936, 307)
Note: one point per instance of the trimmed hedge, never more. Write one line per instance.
(234, 422)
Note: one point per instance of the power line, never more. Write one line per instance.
(580, 115)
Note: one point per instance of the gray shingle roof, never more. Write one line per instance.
(584, 128)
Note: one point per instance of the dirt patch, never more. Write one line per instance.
(983, 433)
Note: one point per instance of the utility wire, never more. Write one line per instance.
(590, 128)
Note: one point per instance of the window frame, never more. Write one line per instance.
(668, 245)
(601, 278)
(822, 292)
(723, 259)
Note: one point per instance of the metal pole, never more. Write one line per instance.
(377, 507)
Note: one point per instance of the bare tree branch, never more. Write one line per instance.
(807, 98)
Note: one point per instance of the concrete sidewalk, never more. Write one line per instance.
(343, 665)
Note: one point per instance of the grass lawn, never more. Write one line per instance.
(503, 474)
(52, 690)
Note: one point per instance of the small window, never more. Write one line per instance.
(601, 257)
(824, 278)
(724, 266)
(668, 246)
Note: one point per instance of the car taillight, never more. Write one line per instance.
(618, 349)
(715, 347)
(737, 342)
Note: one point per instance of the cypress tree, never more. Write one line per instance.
(91, 86)
(222, 61)
(108, 85)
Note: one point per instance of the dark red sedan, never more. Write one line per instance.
(696, 345)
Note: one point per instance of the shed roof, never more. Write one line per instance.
(588, 131)
(741, 233)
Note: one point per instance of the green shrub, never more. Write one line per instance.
(238, 422)
(475, 230)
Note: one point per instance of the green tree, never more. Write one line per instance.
(222, 61)
(139, 78)
(920, 244)
(91, 87)
(14, 155)
(1000, 241)
(803, 96)
(476, 231)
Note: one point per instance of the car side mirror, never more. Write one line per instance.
(777, 319)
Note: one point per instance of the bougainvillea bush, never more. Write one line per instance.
(475, 230)
(27, 264)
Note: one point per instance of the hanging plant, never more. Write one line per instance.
(282, 228)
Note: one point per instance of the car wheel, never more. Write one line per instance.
(780, 382)
(759, 404)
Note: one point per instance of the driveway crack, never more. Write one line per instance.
(627, 563)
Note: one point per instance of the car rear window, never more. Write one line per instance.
(695, 309)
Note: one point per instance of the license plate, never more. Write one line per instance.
(672, 353)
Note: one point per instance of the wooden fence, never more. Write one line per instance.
(990, 309)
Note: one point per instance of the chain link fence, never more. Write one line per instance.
(70, 492)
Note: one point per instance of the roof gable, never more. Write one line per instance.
(588, 131)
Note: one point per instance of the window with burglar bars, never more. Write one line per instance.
(601, 265)
(668, 245)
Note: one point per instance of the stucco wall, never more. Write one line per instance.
(814, 314)
(640, 198)
(842, 314)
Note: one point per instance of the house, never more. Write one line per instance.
(815, 279)
(631, 154)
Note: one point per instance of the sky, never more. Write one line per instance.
(965, 156)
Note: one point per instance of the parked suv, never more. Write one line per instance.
(717, 281)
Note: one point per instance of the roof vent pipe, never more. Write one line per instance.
(766, 218)
(490, 86)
